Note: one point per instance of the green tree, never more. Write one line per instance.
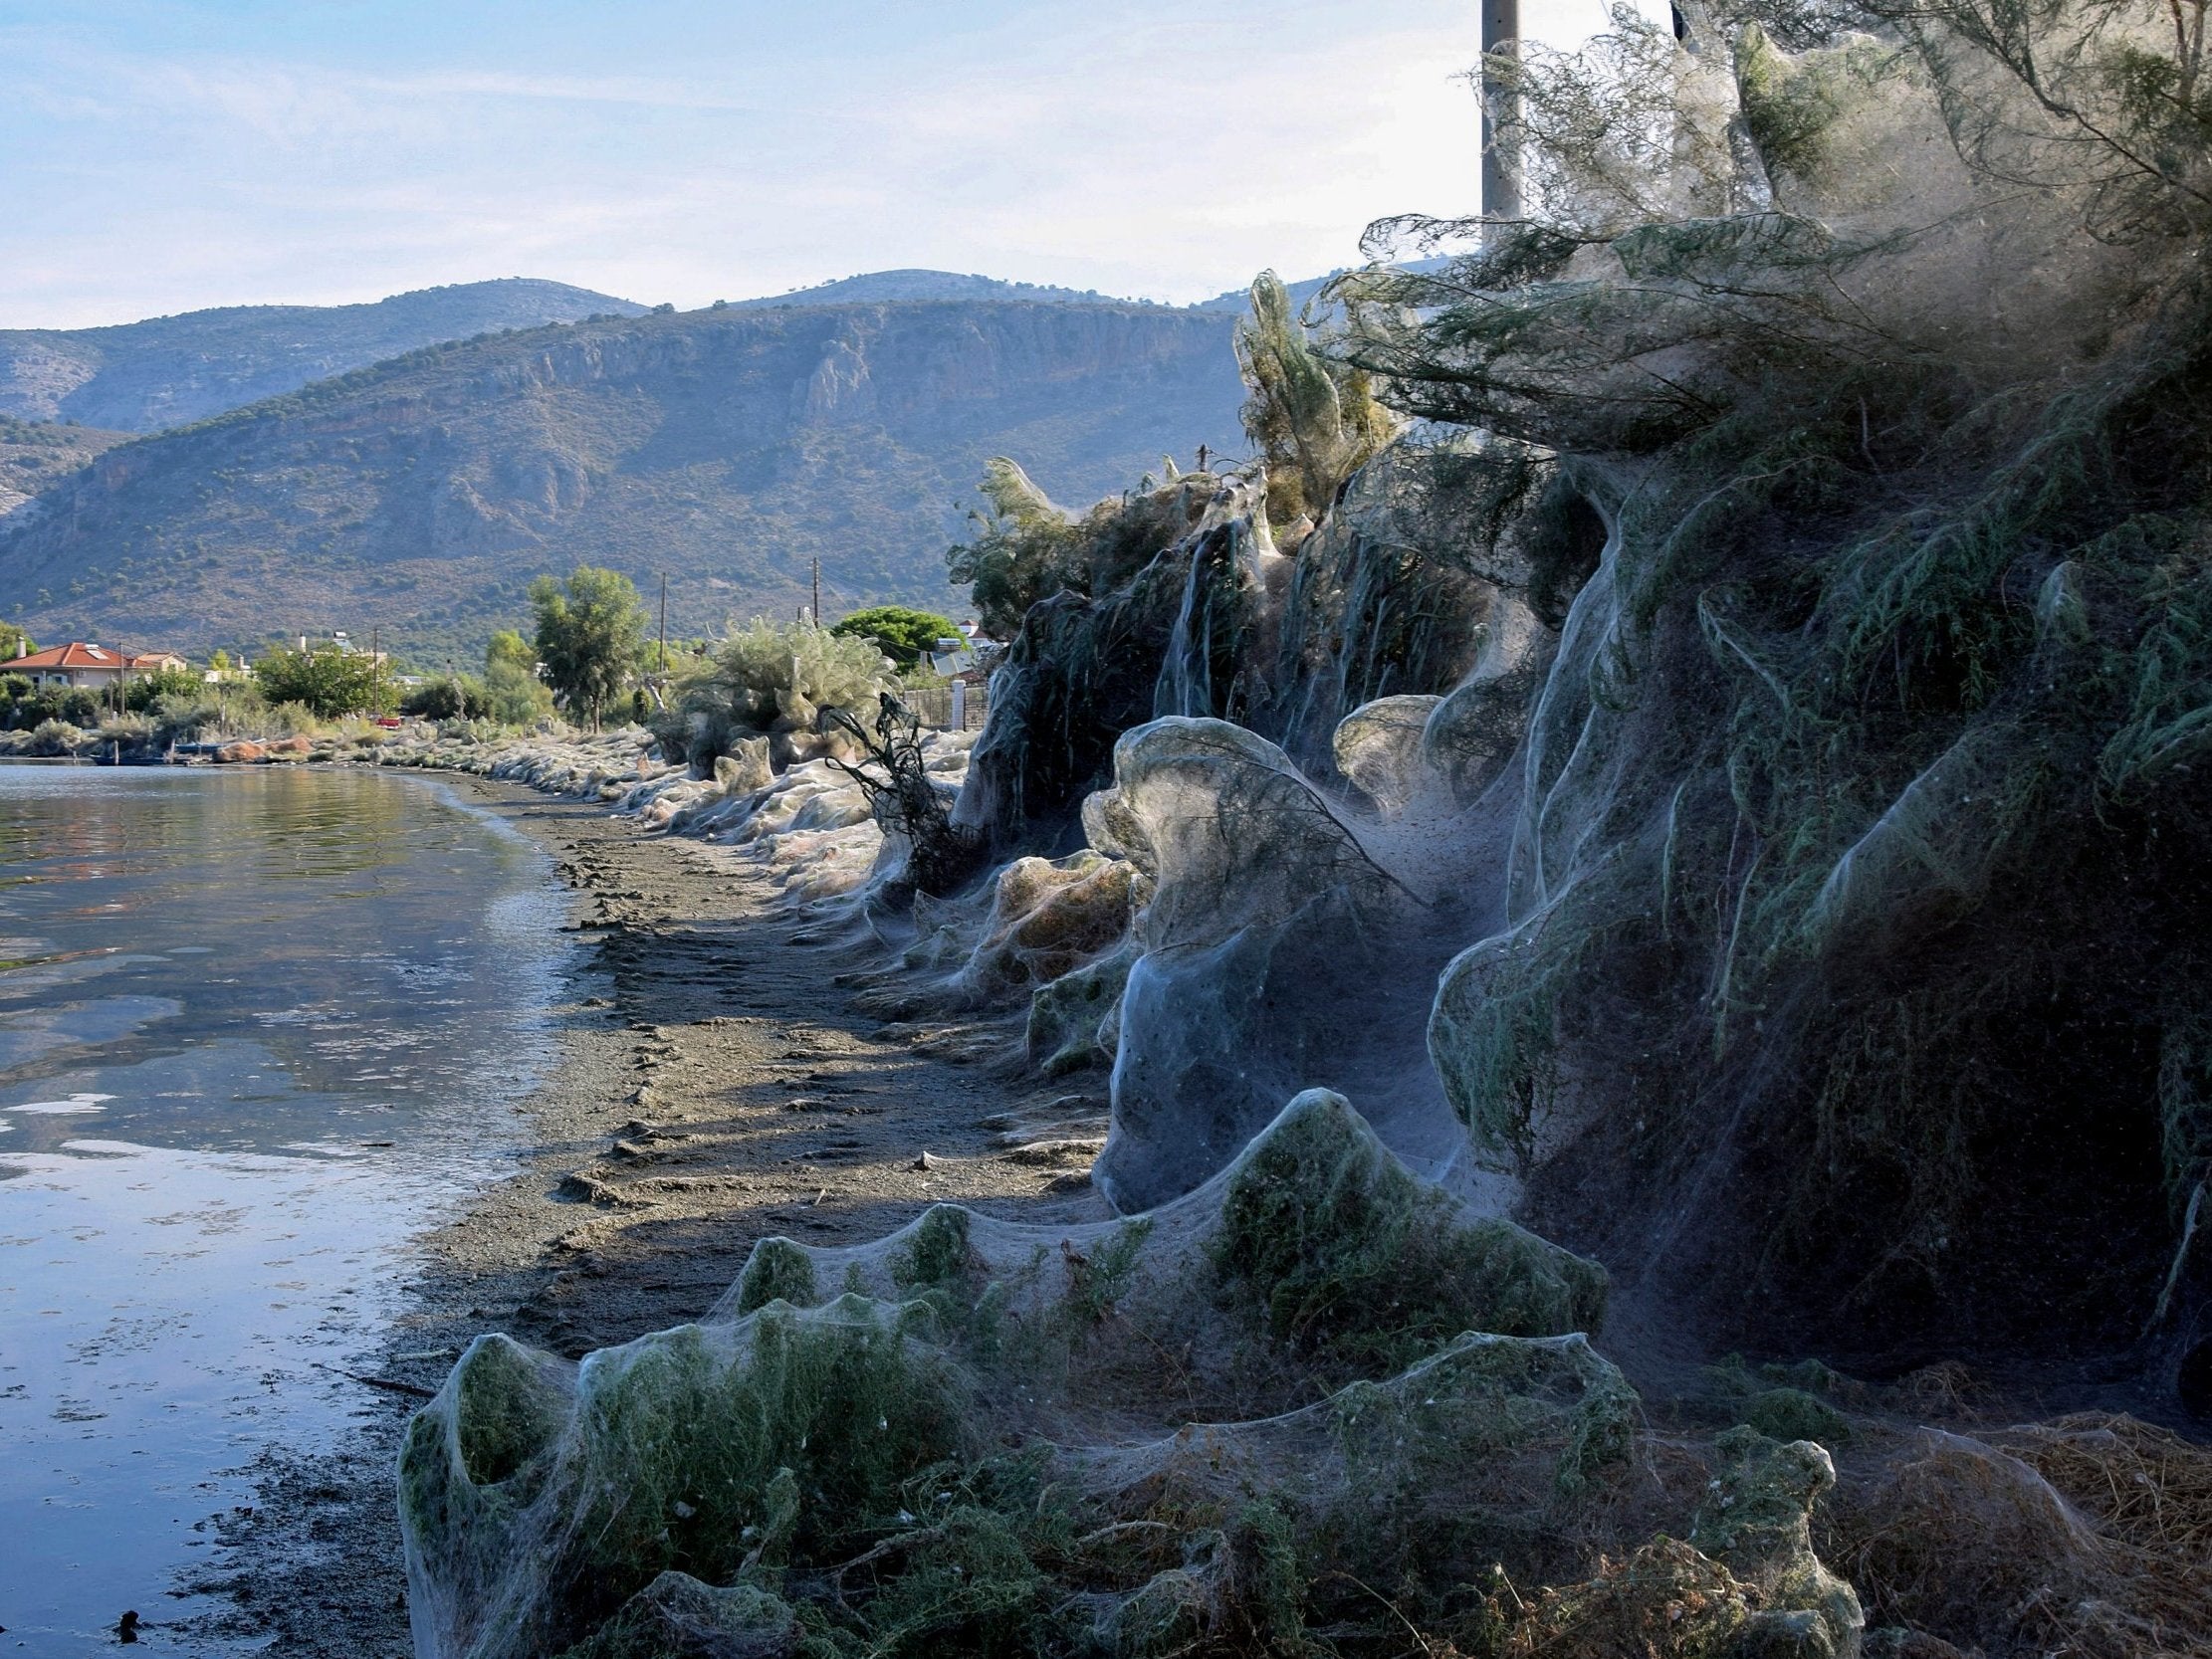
(900, 633)
(510, 648)
(515, 695)
(14, 641)
(590, 633)
(145, 690)
(327, 678)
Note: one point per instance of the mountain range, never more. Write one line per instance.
(725, 448)
(167, 371)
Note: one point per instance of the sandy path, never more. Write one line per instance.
(713, 1086)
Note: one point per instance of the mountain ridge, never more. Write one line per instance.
(164, 372)
(728, 447)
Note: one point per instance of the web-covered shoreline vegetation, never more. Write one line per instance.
(1738, 758)
(1884, 366)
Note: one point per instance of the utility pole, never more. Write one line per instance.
(1501, 190)
(818, 591)
(376, 670)
(664, 623)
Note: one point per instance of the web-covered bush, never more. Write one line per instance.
(768, 676)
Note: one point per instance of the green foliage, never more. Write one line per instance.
(900, 633)
(452, 696)
(1025, 550)
(208, 514)
(325, 679)
(15, 642)
(1345, 1252)
(1097, 1282)
(145, 690)
(509, 649)
(768, 676)
(515, 696)
(55, 738)
(1794, 1414)
(1314, 419)
(1879, 713)
(590, 633)
(776, 1271)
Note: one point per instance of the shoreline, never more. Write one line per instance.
(708, 1085)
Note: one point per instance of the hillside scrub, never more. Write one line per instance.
(536, 451)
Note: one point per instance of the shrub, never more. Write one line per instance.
(179, 717)
(1315, 421)
(55, 738)
(290, 719)
(768, 675)
(454, 696)
(143, 693)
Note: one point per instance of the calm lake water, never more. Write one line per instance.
(257, 1028)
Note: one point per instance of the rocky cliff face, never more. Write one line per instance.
(166, 370)
(727, 448)
(36, 455)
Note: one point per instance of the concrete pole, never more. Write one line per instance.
(1501, 29)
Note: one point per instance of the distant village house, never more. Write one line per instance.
(92, 667)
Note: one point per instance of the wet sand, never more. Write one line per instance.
(713, 1086)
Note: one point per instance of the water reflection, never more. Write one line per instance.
(256, 1028)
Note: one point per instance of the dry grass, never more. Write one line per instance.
(2087, 1537)
(2144, 1486)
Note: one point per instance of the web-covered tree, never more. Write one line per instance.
(1872, 339)
(1314, 418)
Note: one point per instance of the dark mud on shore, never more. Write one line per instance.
(712, 1086)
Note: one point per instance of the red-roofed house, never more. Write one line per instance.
(93, 666)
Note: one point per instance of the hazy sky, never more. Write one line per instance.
(161, 155)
